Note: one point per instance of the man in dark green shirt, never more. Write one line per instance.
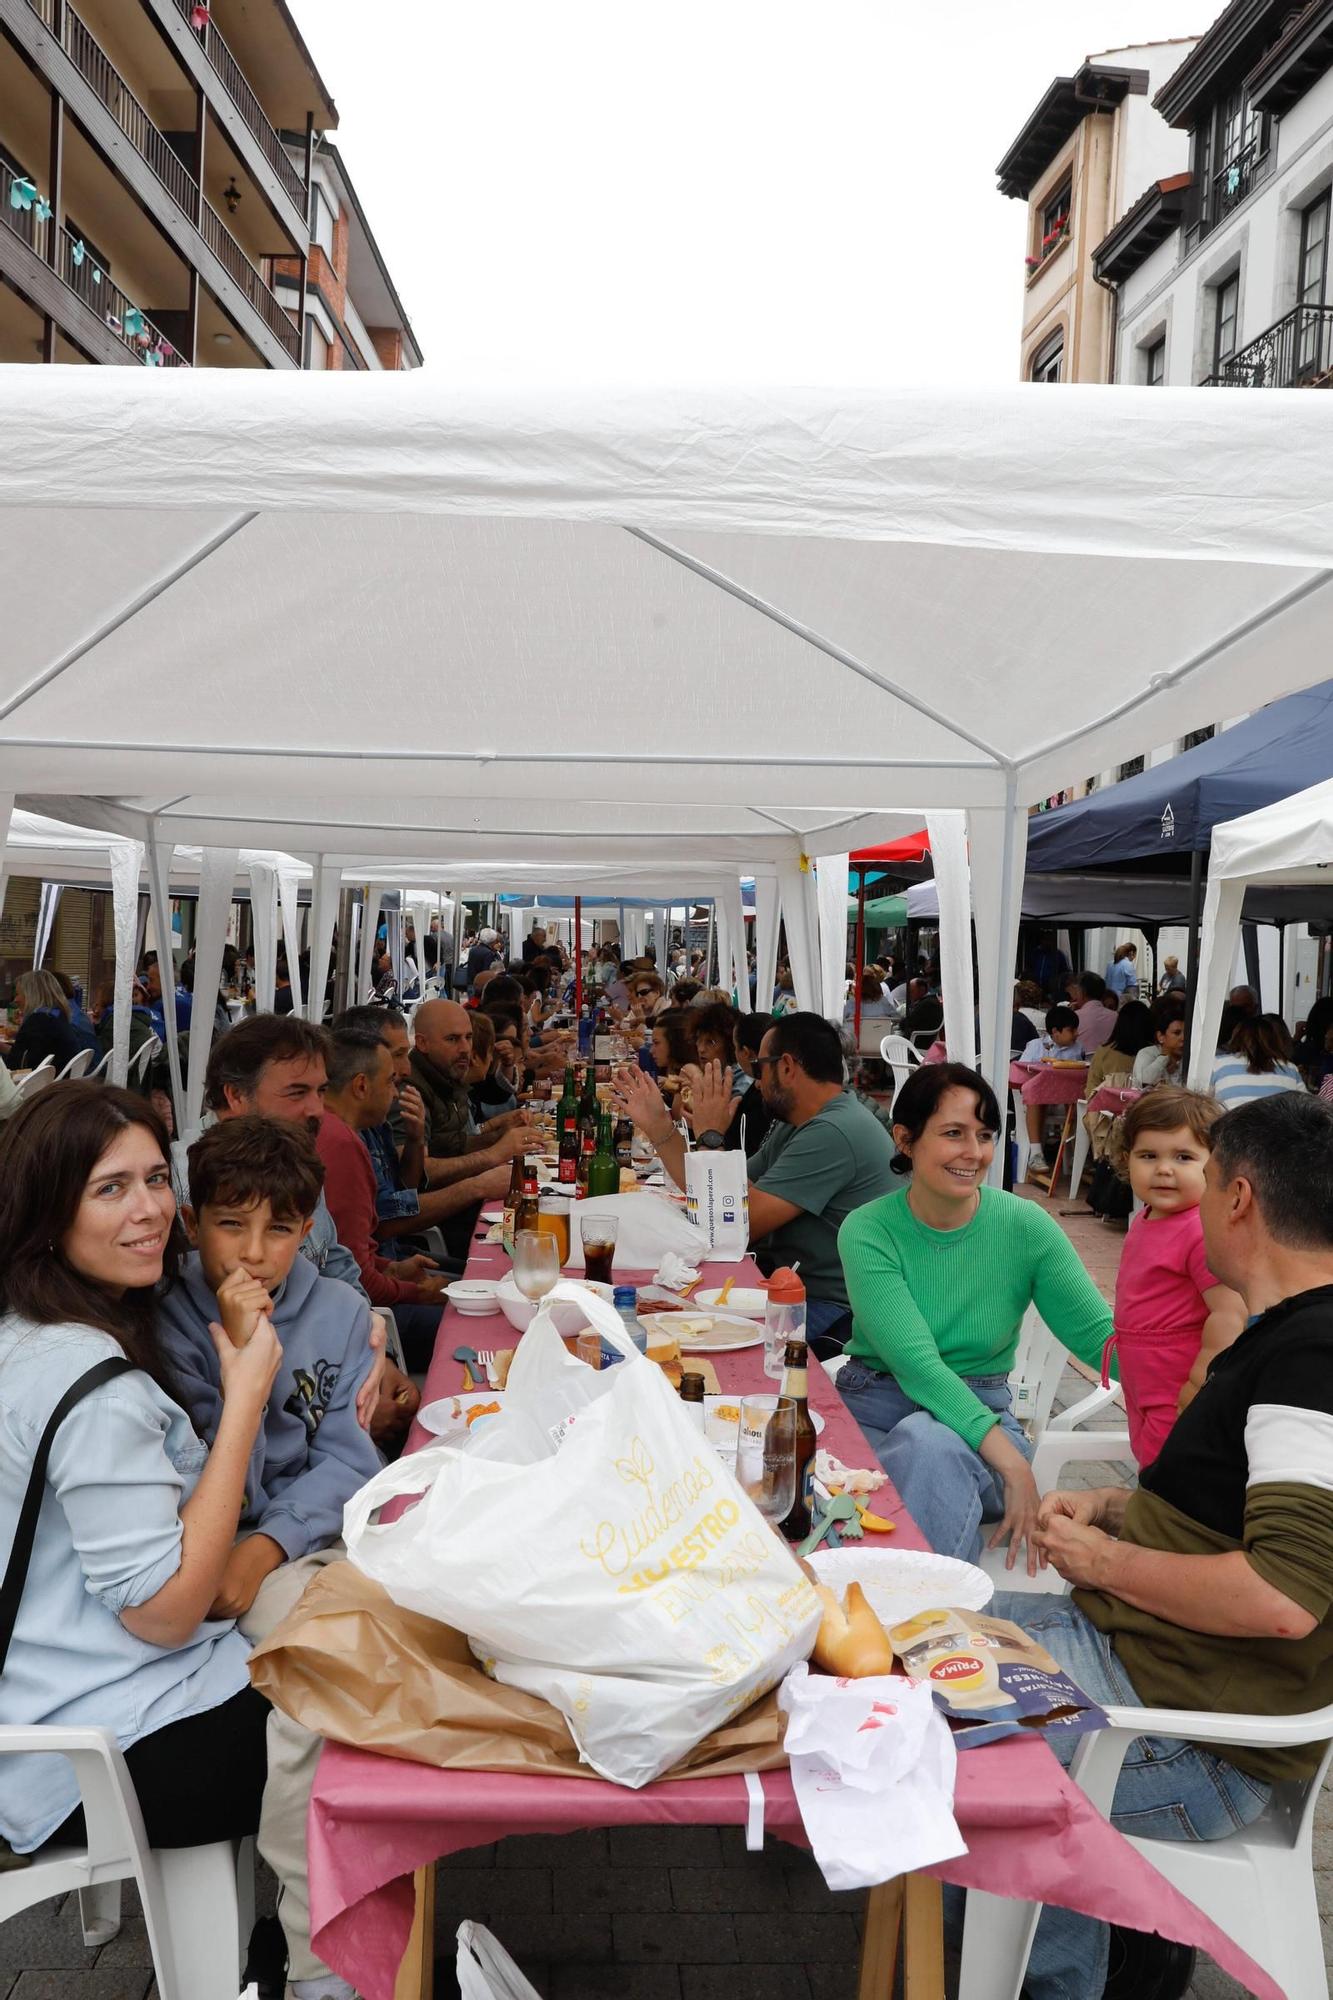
(824, 1154)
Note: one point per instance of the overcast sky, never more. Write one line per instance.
(707, 191)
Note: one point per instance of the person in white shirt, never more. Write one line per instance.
(1162, 1061)
(1060, 1043)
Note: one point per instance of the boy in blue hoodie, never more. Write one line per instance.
(254, 1187)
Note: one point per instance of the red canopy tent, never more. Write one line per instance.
(913, 849)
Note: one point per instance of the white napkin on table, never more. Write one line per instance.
(675, 1272)
(873, 1766)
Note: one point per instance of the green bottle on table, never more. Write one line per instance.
(603, 1172)
(568, 1106)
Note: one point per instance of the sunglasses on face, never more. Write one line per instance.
(759, 1061)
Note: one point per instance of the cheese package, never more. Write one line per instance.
(988, 1677)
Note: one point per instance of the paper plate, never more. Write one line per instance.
(723, 1336)
(446, 1418)
(900, 1582)
(749, 1301)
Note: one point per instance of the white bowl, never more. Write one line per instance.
(568, 1315)
(475, 1297)
(748, 1300)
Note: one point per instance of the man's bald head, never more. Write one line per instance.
(442, 1030)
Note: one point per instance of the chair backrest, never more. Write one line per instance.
(101, 1069)
(38, 1078)
(901, 1058)
(1035, 1376)
(77, 1066)
(139, 1067)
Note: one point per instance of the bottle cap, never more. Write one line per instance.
(785, 1288)
(626, 1298)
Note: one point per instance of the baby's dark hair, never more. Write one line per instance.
(240, 1162)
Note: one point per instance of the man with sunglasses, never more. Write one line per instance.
(824, 1155)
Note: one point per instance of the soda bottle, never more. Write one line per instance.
(797, 1524)
(569, 1145)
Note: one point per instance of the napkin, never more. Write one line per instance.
(674, 1273)
(872, 1765)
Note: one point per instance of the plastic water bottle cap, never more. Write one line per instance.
(626, 1298)
(785, 1288)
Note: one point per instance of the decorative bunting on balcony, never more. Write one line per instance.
(199, 16)
(22, 194)
(134, 322)
(1233, 178)
(43, 209)
(77, 253)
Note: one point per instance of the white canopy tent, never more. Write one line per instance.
(372, 606)
(1289, 843)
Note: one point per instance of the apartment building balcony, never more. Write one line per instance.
(23, 260)
(69, 55)
(1295, 352)
(1228, 188)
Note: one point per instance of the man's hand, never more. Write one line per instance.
(518, 1139)
(708, 1104)
(242, 1303)
(1083, 1508)
(413, 1269)
(639, 1098)
(369, 1393)
(508, 1121)
(412, 1111)
(248, 1564)
(1078, 1552)
(494, 1182)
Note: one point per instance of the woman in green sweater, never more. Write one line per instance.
(939, 1277)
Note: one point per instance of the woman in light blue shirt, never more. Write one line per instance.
(1122, 975)
(1257, 1062)
(136, 1520)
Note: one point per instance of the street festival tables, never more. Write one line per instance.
(1112, 1099)
(378, 1824)
(1048, 1083)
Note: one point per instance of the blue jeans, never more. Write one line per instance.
(946, 1486)
(821, 1314)
(1168, 1790)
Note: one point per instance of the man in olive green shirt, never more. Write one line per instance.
(824, 1154)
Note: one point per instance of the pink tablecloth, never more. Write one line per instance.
(1031, 1832)
(1111, 1098)
(1044, 1083)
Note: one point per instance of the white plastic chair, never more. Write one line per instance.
(101, 1068)
(1082, 1145)
(1022, 1143)
(901, 1058)
(1256, 1885)
(198, 1902)
(37, 1079)
(139, 1065)
(77, 1066)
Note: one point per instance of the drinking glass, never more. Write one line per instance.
(536, 1262)
(766, 1454)
(599, 1246)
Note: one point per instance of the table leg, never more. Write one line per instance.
(416, 1974)
(879, 1940)
(923, 1939)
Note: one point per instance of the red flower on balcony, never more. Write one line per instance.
(199, 16)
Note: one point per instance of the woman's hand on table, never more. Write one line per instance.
(1021, 1500)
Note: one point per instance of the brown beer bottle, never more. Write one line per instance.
(513, 1197)
(797, 1524)
(529, 1201)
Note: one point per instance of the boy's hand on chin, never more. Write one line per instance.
(242, 1302)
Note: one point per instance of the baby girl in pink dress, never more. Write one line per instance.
(1171, 1314)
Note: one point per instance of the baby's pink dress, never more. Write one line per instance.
(1159, 1318)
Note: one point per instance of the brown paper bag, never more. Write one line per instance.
(352, 1665)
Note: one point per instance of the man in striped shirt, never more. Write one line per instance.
(1211, 1586)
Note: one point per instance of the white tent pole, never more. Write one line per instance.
(326, 888)
(158, 855)
(364, 962)
(708, 944)
(46, 919)
(6, 814)
(217, 878)
(948, 848)
(722, 931)
(1217, 949)
(290, 900)
(126, 859)
(765, 941)
(999, 851)
(394, 938)
(739, 975)
(798, 914)
(264, 929)
(831, 901)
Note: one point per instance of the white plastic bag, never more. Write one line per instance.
(717, 1201)
(597, 1553)
(647, 1226)
(485, 1969)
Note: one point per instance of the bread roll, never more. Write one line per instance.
(851, 1642)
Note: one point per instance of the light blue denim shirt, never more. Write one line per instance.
(123, 1464)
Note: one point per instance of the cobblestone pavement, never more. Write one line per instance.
(653, 1913)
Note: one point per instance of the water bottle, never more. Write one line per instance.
(626, 1302)
(784, 1318)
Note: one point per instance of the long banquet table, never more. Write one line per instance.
(375, 1822)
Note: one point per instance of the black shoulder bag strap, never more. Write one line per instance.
(16, 1571)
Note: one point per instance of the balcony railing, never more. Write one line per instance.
(243, 274)
(1294, 352)
(82, 275)
(130, 324)
(1230, 186)
(101, 74)
(234, 82)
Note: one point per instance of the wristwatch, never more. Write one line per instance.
(713, 1140)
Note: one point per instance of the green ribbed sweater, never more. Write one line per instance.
(932, 1305)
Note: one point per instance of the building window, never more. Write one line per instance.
(1154, 363)
(1226, 305)
(1055, 220)
(321, 223)
(1129, 770)
(317, 348)
(1198, 736)
(1313, 341)
(1049, 360)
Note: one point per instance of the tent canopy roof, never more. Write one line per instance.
(1290, 841)
(1173, 808)
(288, 600)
